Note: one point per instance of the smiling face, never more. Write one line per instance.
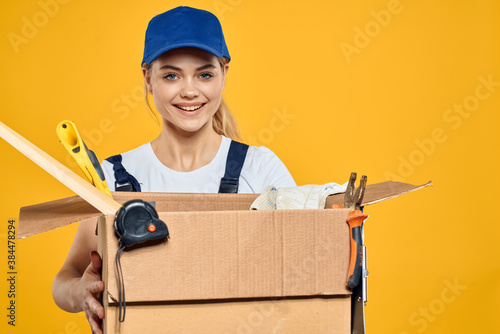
(187, 85)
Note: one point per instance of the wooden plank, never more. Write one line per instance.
(70, 179)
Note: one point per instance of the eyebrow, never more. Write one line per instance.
(180, 70)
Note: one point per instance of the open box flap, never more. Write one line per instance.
(379, 192)
(43, 217)
(39, 218)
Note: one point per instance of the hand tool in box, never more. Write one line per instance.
(86, 159)
(352, 201)
(136, 222)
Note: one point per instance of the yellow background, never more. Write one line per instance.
(360, 94)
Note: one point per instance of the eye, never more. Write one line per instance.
(170, 76)
(206, 75)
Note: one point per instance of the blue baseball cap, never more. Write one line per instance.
(181, 27)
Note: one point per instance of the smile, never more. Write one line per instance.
(190, 108)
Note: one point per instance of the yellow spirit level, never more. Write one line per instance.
(86, 159)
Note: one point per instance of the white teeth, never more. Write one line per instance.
(190, 108)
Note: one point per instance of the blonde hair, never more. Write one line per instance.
(223, 121)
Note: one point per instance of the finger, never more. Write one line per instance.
(96, 261)
(95, 325)
(92, 321)
(96, 308)
(96, 287)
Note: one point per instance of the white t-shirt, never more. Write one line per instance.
(260, 169)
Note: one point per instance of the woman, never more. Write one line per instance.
(185, 65)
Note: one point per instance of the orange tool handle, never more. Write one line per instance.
(355, 222)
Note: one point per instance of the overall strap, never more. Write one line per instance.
(123, 180)
(234, 164)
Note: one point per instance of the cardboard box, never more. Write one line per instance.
(225, 269)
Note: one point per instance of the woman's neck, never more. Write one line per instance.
(185, 151)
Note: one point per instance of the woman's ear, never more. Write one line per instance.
(147, 80)
(225, 69)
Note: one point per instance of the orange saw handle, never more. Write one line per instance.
(355, 222)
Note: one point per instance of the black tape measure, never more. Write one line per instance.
(136, 222)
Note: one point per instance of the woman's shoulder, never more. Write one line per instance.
(133, 156)
(142, 152)
(255, 155)
(261, 150)
(263, 164)
(261, 154)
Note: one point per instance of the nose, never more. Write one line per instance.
(189, 89)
